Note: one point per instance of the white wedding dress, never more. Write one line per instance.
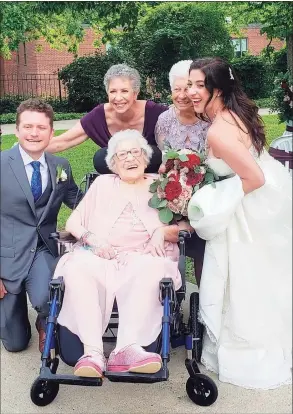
(246, 284)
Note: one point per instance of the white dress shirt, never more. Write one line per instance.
(27, 159)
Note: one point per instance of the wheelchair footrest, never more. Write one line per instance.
(46, 375)
(133, 377)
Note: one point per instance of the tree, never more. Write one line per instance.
(61, 23)
(171, 32)
(276, 19)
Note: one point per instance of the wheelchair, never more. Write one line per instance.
(175, 332)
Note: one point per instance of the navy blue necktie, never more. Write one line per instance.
(36, 183)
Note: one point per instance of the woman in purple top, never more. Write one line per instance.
(123, 111)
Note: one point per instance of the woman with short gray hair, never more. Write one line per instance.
(123, 111)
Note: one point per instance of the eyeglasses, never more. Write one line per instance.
(135, 152)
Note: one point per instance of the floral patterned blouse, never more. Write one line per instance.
(170, 130)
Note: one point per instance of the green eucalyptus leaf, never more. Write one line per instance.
(165, 215)
(164, 183)
(154, 201)
(183, 157)
(171, 155)
(154, 186)
(163, 203)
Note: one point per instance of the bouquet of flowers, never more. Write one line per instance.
(186, 172)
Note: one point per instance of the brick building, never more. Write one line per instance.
(253, 42)
(33, 68)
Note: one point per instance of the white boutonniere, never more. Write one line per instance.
(60, 174)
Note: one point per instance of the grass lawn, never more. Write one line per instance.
(81, 157)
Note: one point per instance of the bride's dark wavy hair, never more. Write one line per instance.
(220, 75)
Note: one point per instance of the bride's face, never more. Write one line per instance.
(198, 93)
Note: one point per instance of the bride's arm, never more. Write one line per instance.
(239, 159)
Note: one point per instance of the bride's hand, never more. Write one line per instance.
(155, 246)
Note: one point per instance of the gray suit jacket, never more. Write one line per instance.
(20, 226)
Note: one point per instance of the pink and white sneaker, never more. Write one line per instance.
(134, 358)
(90, 366)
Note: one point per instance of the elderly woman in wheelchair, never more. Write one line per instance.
(122, 253)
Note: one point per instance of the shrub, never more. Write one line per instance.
(84, 78)
(9, 103)
(282, 97)
(252, 72)
(11, 118)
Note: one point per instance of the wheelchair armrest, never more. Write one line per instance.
(63, 236)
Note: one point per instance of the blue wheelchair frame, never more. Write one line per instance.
(200, 388)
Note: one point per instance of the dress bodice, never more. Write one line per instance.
(221, 168)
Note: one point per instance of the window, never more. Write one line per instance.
(240, 46)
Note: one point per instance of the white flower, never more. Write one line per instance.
(286, 98)
(63, 176)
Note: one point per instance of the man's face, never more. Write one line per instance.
(34, 132)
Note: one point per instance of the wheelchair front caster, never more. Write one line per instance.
(201, 390)
(44, 392)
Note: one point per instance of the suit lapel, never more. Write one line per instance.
(18, 169)
(50, 159)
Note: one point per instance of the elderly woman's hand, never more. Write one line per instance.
(100, 247)
(155, 246)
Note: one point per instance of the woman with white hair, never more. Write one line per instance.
(123, 111)
(122, 253)
(179, 126)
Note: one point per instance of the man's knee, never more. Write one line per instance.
(17, 344)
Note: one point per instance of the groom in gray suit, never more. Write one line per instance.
(34, 184)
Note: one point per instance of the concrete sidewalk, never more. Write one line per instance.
(60, 125)
(18, 371)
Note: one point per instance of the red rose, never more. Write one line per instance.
(169, 165)
(194, 178)
(172, 190)
(193, 161)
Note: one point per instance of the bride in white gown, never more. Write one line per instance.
(246, 284)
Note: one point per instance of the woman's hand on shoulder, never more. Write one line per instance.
(156, 244)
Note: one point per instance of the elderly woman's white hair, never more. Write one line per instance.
(122, 71)
(179, 70)
(128, 134)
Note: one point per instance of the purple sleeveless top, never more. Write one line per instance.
(95, 126)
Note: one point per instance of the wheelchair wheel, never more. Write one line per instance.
(201, 390)
(195, 326)
(44, 392)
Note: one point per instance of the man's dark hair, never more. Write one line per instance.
(35, 105)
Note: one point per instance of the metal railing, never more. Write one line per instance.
(41, 85)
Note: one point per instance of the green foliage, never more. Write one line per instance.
(62, 23)
(10, 118)
(84, 78)
(263, 102)
(252, 72)
(171, 32)
(24, 21)
(9, 103)
(282, 97)
(275, 18)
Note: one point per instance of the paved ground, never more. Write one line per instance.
(18, 371)
(10, 128)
